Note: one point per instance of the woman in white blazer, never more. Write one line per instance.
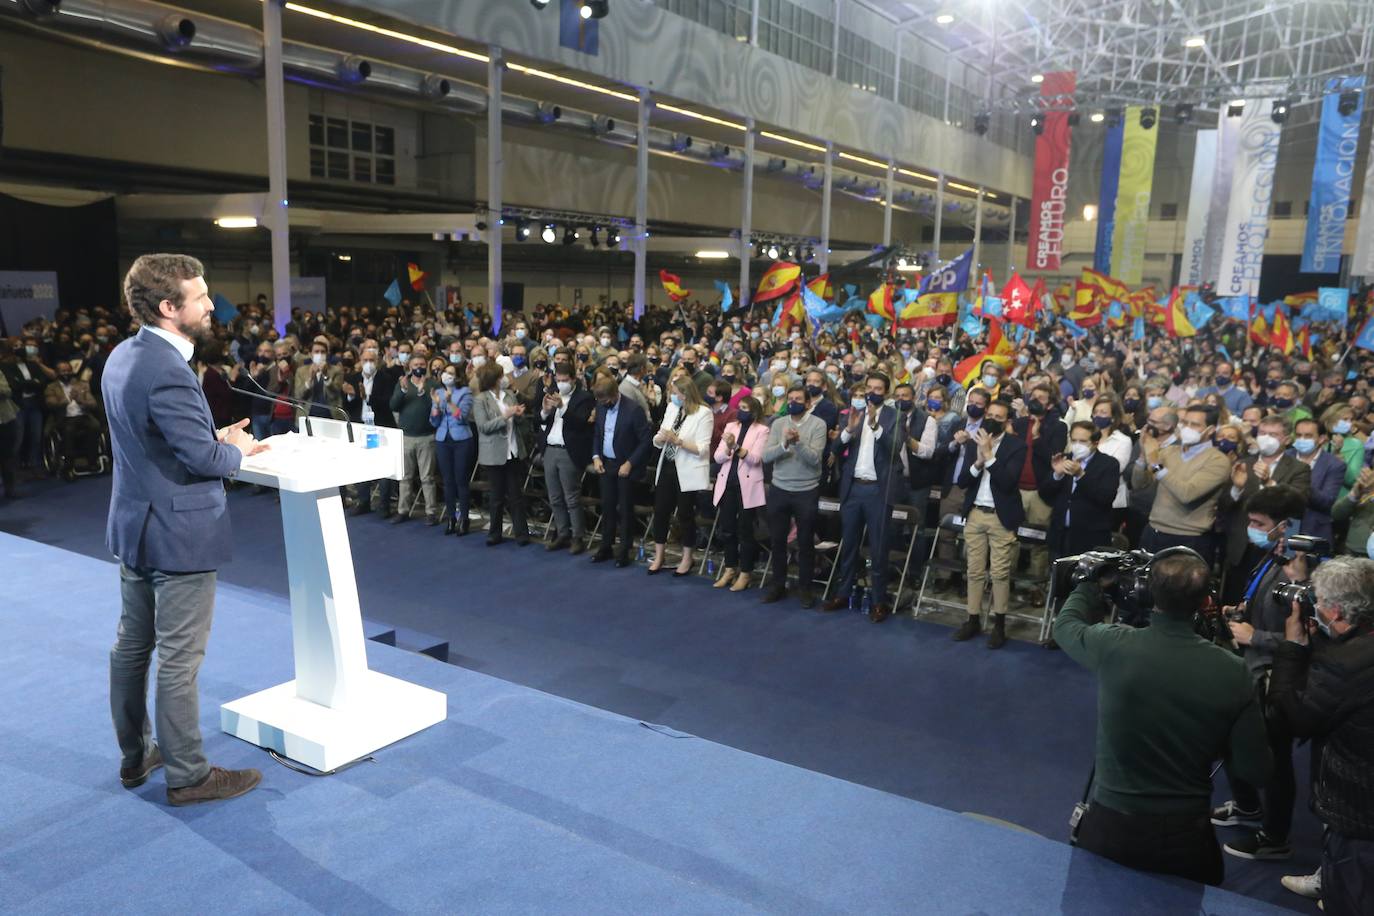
(684, 468)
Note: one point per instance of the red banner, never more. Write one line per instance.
(1050, 187)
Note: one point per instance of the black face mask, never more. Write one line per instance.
(943, 379)
(993, 427)
(904, 405)
(418, 372)
(1036, 408)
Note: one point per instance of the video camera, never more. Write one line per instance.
(1124, 576)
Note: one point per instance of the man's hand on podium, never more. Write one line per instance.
(234, 435)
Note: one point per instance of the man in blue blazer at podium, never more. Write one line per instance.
(169, 527)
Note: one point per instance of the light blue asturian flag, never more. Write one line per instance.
(971, 325)
(225, 311)
(1138, 329)
(393, 293)
(1198, 312)
(727, 298)
(1072, 327)
(1236, 308)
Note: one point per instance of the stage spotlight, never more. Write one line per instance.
(1114, 116)
(614, 238)
(547, 234)
(1183, 112)
(594, 239)
(1038, 123)
(901, 263)
(1233, 109)
(980, 123)
(571, 234)
(772, 252)
(1074, 118)
(1279, 113)
(594, 9)
(1097, 117)
(539, 4)
(1348, 102)
(810, 254)
(522, 231)
(1148, 117)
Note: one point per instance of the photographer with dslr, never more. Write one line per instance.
(1328, 695)
(1169, 704)
(1256, 624)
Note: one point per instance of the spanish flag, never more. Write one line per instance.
(880, 302)
(930, 310)
(1305, 341)
(672, 285)
(1176, 317)
(1281, 334)
(1300, 300)
(999, 350)
(792, 312)
(822, 287)
(417, 276)
(1063, 298)
(1259, 331)
(777, 280)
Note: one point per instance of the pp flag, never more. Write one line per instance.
(1365, 339)
(1236, 308)
(1333, 177)
(777, 280)
(672, 285)
(1050, 181)
(1333, 303)
(1106, 196)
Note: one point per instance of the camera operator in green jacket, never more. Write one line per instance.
(1170, 705)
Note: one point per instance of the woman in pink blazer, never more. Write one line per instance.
(739, 491)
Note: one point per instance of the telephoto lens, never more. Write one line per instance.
(1304, 593)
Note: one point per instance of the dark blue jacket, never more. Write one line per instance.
(632, 435)
(1328, 473)
(883, 453)
(167, 508)
(1006, 480)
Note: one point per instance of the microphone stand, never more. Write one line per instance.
(306, 406)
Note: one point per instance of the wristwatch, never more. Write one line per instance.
(1156, 468)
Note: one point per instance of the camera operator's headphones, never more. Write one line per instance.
(1146, 598)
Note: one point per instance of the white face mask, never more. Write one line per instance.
(479, 361)
(795, 363)
(1268, 445)
(519, 333)
(779, 391)
(1080, 450)
(317, 358)
(448, 380)
(605, 341)
(369, 368)
(1189, 436)
(565, 388)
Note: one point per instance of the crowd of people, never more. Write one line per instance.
(688, 413)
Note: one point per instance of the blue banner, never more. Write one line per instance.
(1236, 308)
(727, 298)
(1333, 176)
(1106, 198)
(1333, 304)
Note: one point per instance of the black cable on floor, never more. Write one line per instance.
(311, 771)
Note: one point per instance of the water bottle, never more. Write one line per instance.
(371, 438)
(641, 553)
(710, 567)
(867, 605)
(856, 597)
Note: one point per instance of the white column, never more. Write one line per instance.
(978, 232)
(275, 213)
(746, 248)
(496, 165)
(835, 42)
(1011, 238)
(939, 213)
(887, 203)
(754, 23)
(641, 245)
(826, 187)
(897, 69)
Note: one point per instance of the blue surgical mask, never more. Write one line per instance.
(744, 416)
(1341, 428)
(518, 361)
(1304, 446)
(676, 399)
(1257, 537)
(1102, 422)
(1153, 401)
(1226, 446)
(934, 404)
(989, 381)
(796, 408)
(857, 403)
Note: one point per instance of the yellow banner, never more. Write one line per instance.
(1133, 199)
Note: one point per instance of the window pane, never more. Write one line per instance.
(317, 130)
(338, 165)
(338, 133)
(385, 171)
(317, 163)
(386, 141)
(362, 168)
(362, 137)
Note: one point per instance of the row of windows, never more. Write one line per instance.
(342, 149)
(797, 34)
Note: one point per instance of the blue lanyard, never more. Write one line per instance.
(1255, 581)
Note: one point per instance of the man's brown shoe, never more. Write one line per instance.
(133, 777)
(836, 604)
(219, 784)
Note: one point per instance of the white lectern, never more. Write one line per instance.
(336, 710)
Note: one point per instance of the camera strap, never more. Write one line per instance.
(1081, 808)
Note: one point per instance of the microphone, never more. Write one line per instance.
(307, 406)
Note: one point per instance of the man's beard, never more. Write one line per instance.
(198, 332)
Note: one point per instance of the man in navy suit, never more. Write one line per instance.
(990, 475)
(620, 443)
(169, 527)
(1080, 491)
(868, 447)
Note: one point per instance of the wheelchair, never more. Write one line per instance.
(58, 464)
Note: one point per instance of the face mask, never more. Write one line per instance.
(101, 338)
(1089, 393)
(1189, 436)
(519, 333)
(479, 361)
(1035, 407)
(1304, 380)
(518, 361)
(1226, 446)
(943, 379)
(1131, 405)
(834, 377)
(1268, 445)
(1369, 546)
(934, 404)
(795, 408)
(708, 399)
(1304, 446)
(1066, 360)
(317, 358)
(906, 354)
(1341, 428)
(903, 404)
(1257, 537)
(858, 403)
(779, 366)
(448, 380)
(1102, 422)
(975, 411)
(418, 372)
(1223, 381)
(565, 388)
(1022, 359)
(994, 427)
(676, 399)
(1080, 450)
(1153, 401)
(989, 381)
(605, 341)
(795, 363)
(875, 399)
(744, 416)
(404, 355)
(369, 368)
(1283, 403)
(779, 391)
(753, 335)
(1271, 383)
(455, 358)
(65, 376)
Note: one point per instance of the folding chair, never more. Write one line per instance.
(950, 527)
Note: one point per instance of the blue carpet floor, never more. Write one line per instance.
(896, 707)
(520, 802)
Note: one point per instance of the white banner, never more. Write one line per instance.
(1362, 261)
(1247, 213)
(1228, 136)
(1199, 200)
